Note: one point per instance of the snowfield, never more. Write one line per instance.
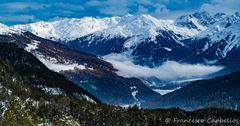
(58, 67)
(69, 29)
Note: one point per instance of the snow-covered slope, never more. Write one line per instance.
(135, 33)
(132, 34)
(67, 29)
(4, 29)
(227, 31)
(144, 26)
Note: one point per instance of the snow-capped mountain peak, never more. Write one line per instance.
(4, 29)
(225, 31)
(65, 29)
(135, 29)
(198, 21)
(129, 25)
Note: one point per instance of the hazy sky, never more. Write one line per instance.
(25, 11)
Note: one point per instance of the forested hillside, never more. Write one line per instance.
(23, 103)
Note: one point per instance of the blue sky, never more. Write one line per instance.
(26, 11)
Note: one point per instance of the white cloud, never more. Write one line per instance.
(225, 6)
(17, 18)
(115, 7)
(119, 10)
(112, 7)
(142, 10)
(121, 7)
(169, 70)
(93, 3)
(22, 5)
(160, 9)
(67, 6)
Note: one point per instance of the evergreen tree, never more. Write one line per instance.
(17, 115)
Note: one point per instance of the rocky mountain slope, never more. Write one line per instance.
(85, 70)
(39, 75)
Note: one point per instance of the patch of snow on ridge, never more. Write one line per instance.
(163, 92)
(168, 49)
(54, 91)
(51, 90)
(133, 87)
(57, 67)
(82, 96)
(134, 93)
(88, 99)
(32, 46)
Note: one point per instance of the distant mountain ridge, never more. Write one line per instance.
(150, 41)
(72, 28)
(221, 92)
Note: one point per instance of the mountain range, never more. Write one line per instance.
(194, 38)
(77, 48)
